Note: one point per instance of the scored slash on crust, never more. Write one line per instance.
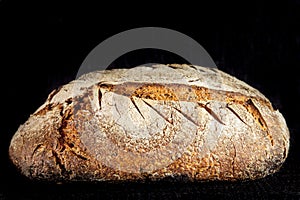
(235, 113)
(186, 93)
(148, 104)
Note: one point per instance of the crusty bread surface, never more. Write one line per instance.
(151, 123)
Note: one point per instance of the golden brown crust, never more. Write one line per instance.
(66, 140)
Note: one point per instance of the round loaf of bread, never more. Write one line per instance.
(151, 123)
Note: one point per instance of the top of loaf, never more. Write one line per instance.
(211, 78)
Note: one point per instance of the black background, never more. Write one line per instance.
(43, 45)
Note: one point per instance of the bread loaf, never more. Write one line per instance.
(152, 123)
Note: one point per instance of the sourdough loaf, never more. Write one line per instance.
(151, 123)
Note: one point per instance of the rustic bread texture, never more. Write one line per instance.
(164, 121)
